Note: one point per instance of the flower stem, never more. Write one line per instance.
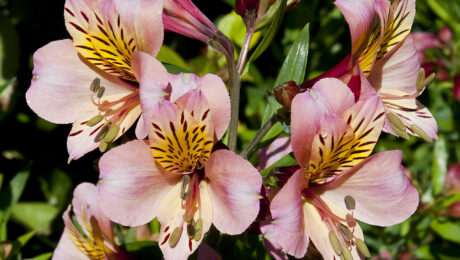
(234, 102)
(244, 50)
(259, 135)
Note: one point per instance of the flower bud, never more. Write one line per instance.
(244, 7)
(445, 34)
(285, 93)
(452, 182)
(457, 87)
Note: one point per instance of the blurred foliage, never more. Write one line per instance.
(36, 182)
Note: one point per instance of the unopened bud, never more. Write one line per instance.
(198, 229)
(445, 34)
(112, 133)
(335, 243)
(346, 232)
(362, 248)
(93, 121)
(420, 133)
(243, 7)
(95, 85)
(285, 93)
(175, 236)
(350, 202)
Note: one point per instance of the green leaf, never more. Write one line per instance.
(1, 180)
(9, 50)
(19, 243)
(296, 61)
(447, 230)
(270, 34)
(233, 27)
(44, 256)
(57, 189)
(287, 160)
(36, 216)
(439, 165)
(8, 199)
(168, 55)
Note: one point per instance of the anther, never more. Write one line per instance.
(112, 133)
(396, 121)
(185, 181)
(191, 230)
(350, 202)
(335, 243)
(187, 218)
(95, 85)
(175, 236)
(101, 134)
(93, 121)
(198, 229)
(420, 133)
(346, 253)
(362, 248)
(100, 92)
(351, 221)
(347, 235)
(420, 79)
(103, 146)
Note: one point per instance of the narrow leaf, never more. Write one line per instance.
(439, 165)
(447, 230)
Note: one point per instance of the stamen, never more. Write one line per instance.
(347, 234)
(191, 229)
(346, 253)
(100, 92)
(95, 85)
(396, 121)
(198, 229)
(351, 221)
(185, 182)
(101, 134)
(111, 134)
(362, 247)
(95, 120)
(350, 202)
(335, 243)
(103, 146)
(187, 218)
(175, 236)
(420, 133)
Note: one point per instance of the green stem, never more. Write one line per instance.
(244, 51)
(259, 135)
(234, 102)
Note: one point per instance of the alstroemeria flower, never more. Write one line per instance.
(96, 241)
(177, 177)
(90, 80)
(336, 182)
(389, 59)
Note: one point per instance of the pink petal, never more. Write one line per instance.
(131, 186)
(84, 197)
(339, 70)
(305, 118)
(67, 250)
(333, 95)
(286, 210)
(170, 215)
(360, 18)
(275, 151)
(425, 40)
(319, 232)
(144, 17)
(153, 79)
(81, 139)
(59, 89)
(270, 241)
(383, 194)
(234, 186)
(397, 69)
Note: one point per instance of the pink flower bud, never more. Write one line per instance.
(243, 7)
(285, 93)
(183, 17)
(445, 34)
(457, 87)
(443, 75)
(452, 182)
(454, 209)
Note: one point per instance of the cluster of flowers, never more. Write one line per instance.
(107, 77)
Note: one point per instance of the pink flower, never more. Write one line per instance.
(336, 182)
(389, 59)
(183, 17)
(97, 242)
(456, 88)
(91, 81)
(176, 176)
